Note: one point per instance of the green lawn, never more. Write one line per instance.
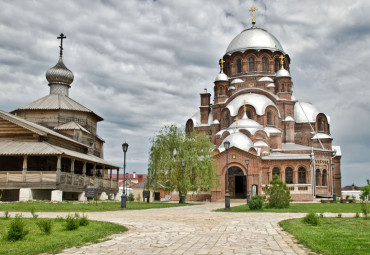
(80, 207)
(333, 235)
(305, 207)
(37, 242)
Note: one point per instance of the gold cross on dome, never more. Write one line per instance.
(61, 37)
(282, 60)
(244, 105)
(252, 10)
(221, 63)
(236, 119)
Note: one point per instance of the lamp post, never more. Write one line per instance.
(182, 199)
(124, 196)
(227, 195)
(247, 162)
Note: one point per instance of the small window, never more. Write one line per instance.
(302, 175)
(276, 171)
(321, 124)
(289, 175)
(277, 65)
(238, 66)
(228, 69)
(282, 87)
(324, 178)
(270, 118)
(265, 66)
(249, 115)
(227, 118)
(220, 91)
(318, 179)
(251, 64)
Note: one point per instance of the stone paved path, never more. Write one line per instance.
(192, 230)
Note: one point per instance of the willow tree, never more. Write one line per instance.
(169, 148)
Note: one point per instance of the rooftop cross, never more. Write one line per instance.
(282, 60)
(252, 10)
(244, 105)
(61, 37)
(236, 119)
(221, 63)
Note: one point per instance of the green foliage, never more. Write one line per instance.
(138, 197)
(17, 230)
(339, 215)
(278, 195)
(311, 219)
(72, 222)
(256, 202)
(6, 215)
(83, 221)
(165, 167)
(357, 215)
(131, 197)
(34, 215)
(110, 196)
(45, 225)
(365, 199)
(321, 215)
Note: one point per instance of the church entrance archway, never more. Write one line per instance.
(237, 183)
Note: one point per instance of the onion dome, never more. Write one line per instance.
(222, 77)
(237, 80)
(231, 88)
(266, 79)
(254, 38)
(271, 85)
(59, 74)
(238, 140)
(246, 123)
(282, 73)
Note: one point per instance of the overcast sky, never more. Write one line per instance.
(142, 64)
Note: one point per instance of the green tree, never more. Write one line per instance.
(169, 147)
(365, 199)
(278, 195)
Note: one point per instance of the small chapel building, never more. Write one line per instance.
(50, 149)
(270, 132)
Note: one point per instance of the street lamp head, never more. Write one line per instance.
(124, 147)
(247, 161)
(183, 163)
(227, 145)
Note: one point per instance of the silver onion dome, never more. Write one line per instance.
(59, 74)
(254, 38)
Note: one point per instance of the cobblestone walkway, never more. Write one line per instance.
(192, 230)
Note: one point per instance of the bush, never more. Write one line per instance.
(72, 222)
(45, 225)
(138, 197)
(339, 215)
(256, 202)
(365, 199)
(6, 215)
(131, 197)
(83, 221)
(311, 219)
(321, 215)
(357, 215)
(34, 215)
(278, 195)
(17, 230)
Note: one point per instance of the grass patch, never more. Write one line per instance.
(41, 206)
(333, 235)
(303, 208)
(38, 242)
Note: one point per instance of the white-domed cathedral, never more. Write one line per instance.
(269, 131)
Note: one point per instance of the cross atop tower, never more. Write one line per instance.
(252, 10)
(61, 37)
(244, 105)
(236, 120)
(282, 60)
(221, 63)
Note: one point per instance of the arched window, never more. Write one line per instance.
(220, 92)
(277, 65)
(276, 171)
(289, 175)
(249, 115)
(321, 125)
(227, 118)
(228, 67)
(265, 66)
(318, 179)
(302, 175)
(251, 64)
(238, 66)
(270, 118)
(324, 178)
(282, 87)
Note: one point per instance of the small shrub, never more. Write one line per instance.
(17, 230)
(256, 202)
(278, 194)
(347, 197)
(357, 215)
(339, 215)
(59, 219)
(131, 197)
(34, 215)
(84, 221)
(6, 215)
(321, 215)
(72, 222)
(110, 196)
(311, 219)
(45, 225)
(138, 197)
